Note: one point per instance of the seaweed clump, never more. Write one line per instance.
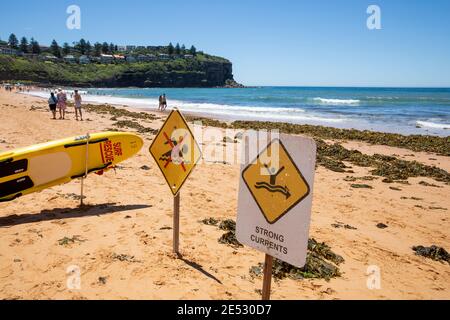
(228, 238)
(391, 168)
(321, 263)
(119, 112)
(134, 125)
(434, 252)
(427, 143)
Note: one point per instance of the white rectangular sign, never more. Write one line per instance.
(275, 197)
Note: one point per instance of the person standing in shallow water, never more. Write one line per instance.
(62, 99)
(78, 100)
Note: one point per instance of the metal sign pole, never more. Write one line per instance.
(267, 282)
(86, 169)
(176, 224)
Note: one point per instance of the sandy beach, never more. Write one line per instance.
(122, 240)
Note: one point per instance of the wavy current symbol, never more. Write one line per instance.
(272, 186)
(273, 189)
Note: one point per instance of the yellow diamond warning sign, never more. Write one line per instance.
(277, 186)
(175, 151)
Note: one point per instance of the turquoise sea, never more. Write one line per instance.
(398, 110)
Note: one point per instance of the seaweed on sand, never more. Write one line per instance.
(434, 252)
(119, 112)
(391, 168)
(134, 125)
(321, 263)
(439, 145)
(210, 221)
(229, 238)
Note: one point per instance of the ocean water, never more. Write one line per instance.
(397, 110)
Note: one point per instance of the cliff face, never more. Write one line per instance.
(210, 74)
(173, 73)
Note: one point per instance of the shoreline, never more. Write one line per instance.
(288, 116)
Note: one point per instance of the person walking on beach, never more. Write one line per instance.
(77, 99)
(62, 99)
(164, 102)
(52, 102)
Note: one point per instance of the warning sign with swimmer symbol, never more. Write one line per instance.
(175, 151)
(276, 188)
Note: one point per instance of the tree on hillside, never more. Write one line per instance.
(81, 46)
(116, 48)
(193, 51)
(97, 49)
(170, 49)
(105, 47)
(177, 49)
(35, 47)
(111, 48)
(88, 48)
(13, 42)
(183, 49)
(55, 49)
(66, 49)
(24, 45)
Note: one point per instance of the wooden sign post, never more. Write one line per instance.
(176, 153)
(267, 281)
(176, 224)
(275, 200)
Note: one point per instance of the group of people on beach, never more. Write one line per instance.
(59, 102)
(162, 103)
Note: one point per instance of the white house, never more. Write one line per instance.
(8, 51)
(122, 48)
(70, 59)
(106, 58)
(163, 56)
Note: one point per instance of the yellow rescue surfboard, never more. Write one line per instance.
(38, 167)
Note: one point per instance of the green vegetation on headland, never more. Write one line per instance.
(172, 73)
(109, 65)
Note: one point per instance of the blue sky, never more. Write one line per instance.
(276, 42)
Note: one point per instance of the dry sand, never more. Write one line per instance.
(131, 214)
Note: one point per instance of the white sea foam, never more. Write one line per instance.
(433, 125)
(337, 101)
(296, 115)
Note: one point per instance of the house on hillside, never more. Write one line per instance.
(131, 48)
(163, 57)
(84, 59)
(119, 58)
(70, 59)
(188, 56)
(49, 58)
(130, 59)
(106, 58)
(121, 48)
(8, 51)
